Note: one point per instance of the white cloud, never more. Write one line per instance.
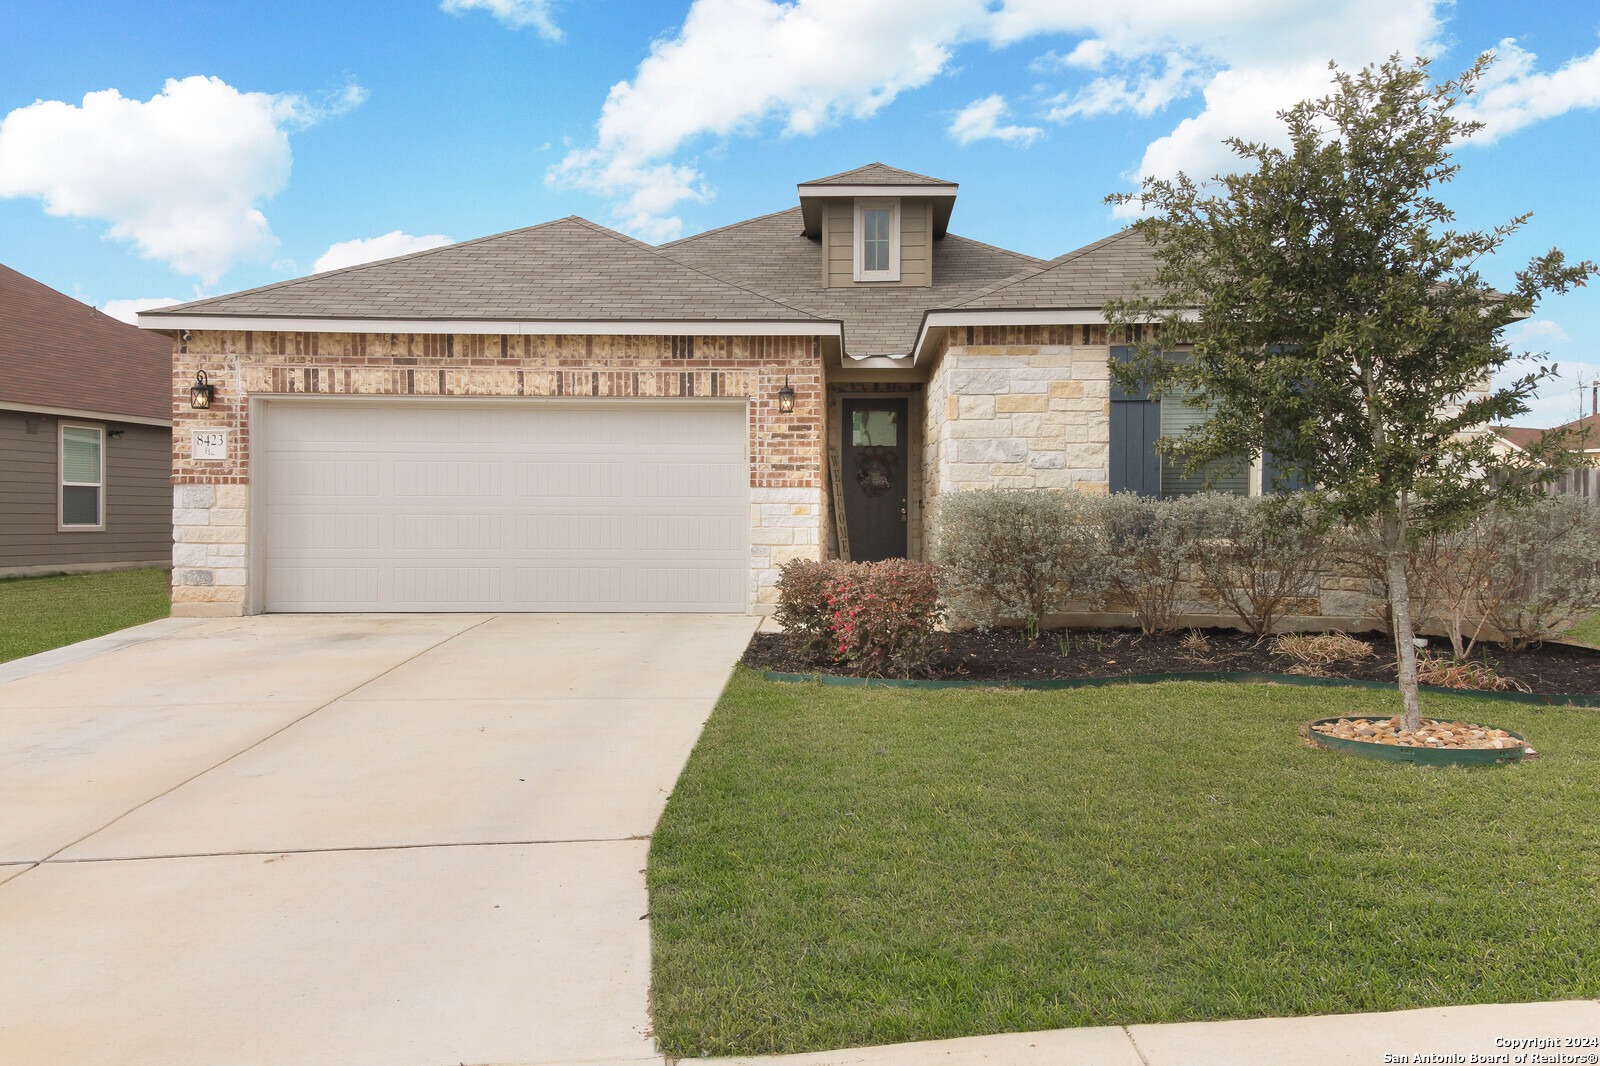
(128, 310)
(1514, 94)
(1144, 96)
(979, 120)
(371, 249)
(514, 13)
(1537, 331)
(180, 175)
(739, 67)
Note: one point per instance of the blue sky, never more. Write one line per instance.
(289, 128)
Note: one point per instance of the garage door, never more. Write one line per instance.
(476, 506)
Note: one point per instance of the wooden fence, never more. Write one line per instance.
(1585, 482)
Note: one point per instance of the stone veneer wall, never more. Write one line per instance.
(211, 498)
(1018, 407)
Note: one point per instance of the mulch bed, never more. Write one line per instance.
(1003, 655)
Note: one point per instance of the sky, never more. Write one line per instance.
(156, 152)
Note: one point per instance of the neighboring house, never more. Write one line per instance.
(565, 418)
(85, 437)
(1581, 435)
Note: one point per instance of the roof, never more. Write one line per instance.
(1587, 429)
(877, 174)
(571, 272)
(567, 270)
(772, 256)
(1088, 277)
(1581, 435)
(56, 352)
(1518, 436)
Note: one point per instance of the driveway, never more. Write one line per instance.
(396, 839)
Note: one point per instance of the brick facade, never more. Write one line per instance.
(211, 498)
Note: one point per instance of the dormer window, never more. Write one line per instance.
(877, 252)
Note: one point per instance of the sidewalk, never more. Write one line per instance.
(1437, 1034)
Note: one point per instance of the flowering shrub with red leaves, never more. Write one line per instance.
(803, 610)
(885, 616)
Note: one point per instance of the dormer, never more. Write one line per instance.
(876, 225)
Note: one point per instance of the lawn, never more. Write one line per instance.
(841, 867)
(1587, 631)
(40, 613)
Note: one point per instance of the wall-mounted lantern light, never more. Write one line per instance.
(786, 396)
(201, 393)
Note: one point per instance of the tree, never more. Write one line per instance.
(1339, 324)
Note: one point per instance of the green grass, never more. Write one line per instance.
(841, 867)
(40, 613)
(1587, 631)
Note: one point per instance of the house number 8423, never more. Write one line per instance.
(209, 444)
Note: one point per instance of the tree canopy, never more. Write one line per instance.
(1331, 316)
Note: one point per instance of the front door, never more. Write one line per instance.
(875, 459)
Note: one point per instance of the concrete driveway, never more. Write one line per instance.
(396, 839)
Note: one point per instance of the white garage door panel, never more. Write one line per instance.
(496, 507)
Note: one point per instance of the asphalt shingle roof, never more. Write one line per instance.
(771, 255)
(877, 174)
(762, 269)
(57, 352)
(570, 269)
(1088, 277)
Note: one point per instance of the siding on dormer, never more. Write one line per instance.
(916, 245)
(839, 220)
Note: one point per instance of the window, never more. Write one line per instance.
(874, 429)
(82, 476)
(877, 255)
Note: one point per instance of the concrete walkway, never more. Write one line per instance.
(358, 839)
(1415, 1036)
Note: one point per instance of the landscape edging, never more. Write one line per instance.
(1241, 677)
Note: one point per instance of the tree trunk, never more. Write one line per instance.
(1394, 557)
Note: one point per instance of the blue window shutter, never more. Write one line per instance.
(1135, 425)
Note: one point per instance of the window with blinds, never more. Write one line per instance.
(82, 477)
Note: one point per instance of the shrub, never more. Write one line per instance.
(803, 609)
(1142, 547)
(1453, 568)
(1358, 548)
(1545, 573)
(1014, 554)
(1262, 556)
(885, 616)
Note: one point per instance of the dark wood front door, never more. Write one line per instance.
(875, 457)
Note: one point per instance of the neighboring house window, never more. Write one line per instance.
(83, 467)
(877, 255)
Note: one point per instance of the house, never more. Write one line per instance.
(1581, 435)
(85, 437)
(564, 418)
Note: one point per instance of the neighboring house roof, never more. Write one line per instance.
(1085, 278)
(1583, 434)
(1585, 429)
(772, 256)
(567, 270)
(877, 174)
(62, 355)
(1517, 436)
